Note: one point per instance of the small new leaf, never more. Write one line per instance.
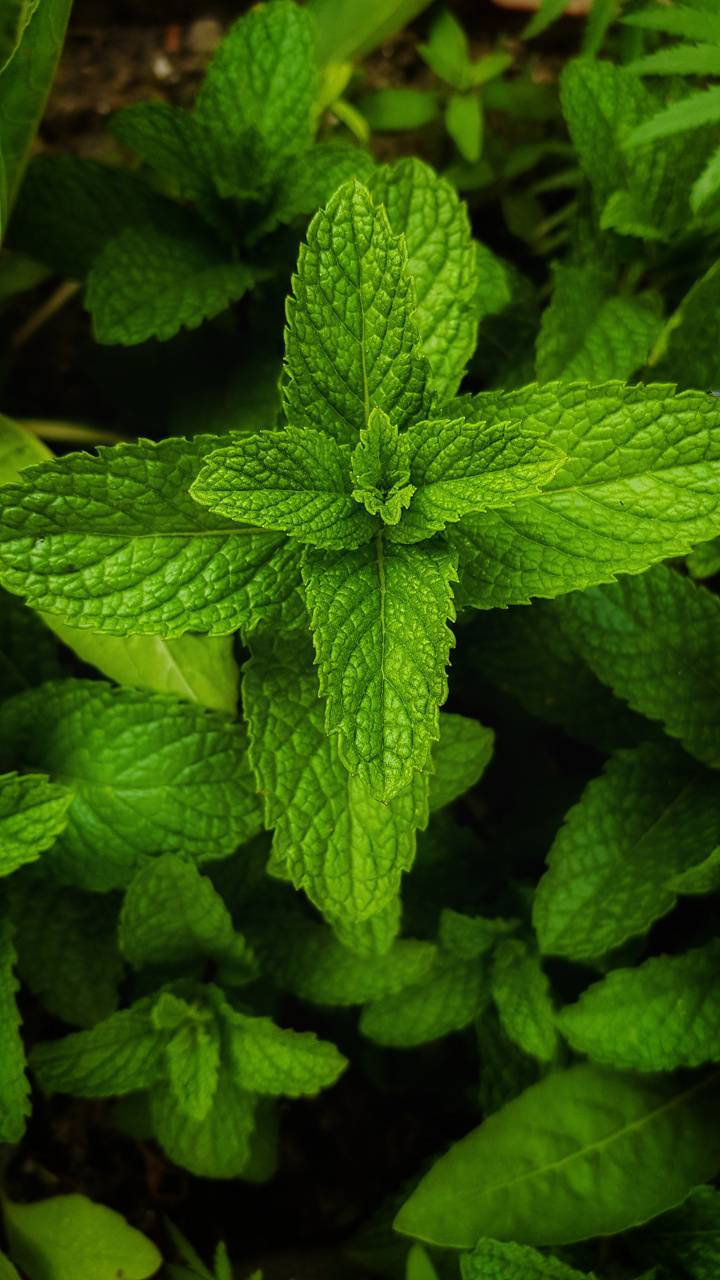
(380, 469)
(33, 812)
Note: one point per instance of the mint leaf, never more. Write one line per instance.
(373, 936)
(14, 1088)
(71, 1238)
(685, 351)
(686, 1237)
(193, 1061)
(172, 914)
(588, 333)
(458, 466)
(583, 1153)
(665, 666)
(521, 992)
(448, 998)
(271, 1060)
(459, 758)
(332, 837)
(351, 342)
(495, 1260)
(62, 935)
(704, 877)
(150, 282)
(173, 142)
(617, 505)
(456, 280)
(660, 1016)
(693, 112)
(652, 814)
(379, 619)
(308, 180)
(380, 469)
(297, 481)
(218, 1145)
(33, 812)
(471, 936)
(119, 1055)
(149, 775)
(693, 21)
(115, 543)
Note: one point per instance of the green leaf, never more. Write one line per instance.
(459, 758)
(640, 484)
(119, 1055)
(464, 123)
(219, 1145)
(172, 914)
(379, 619)
(24, 86)
(693, 112)
(652, 814)
(380, 469)
(193, 1061)
(685, 351)
(668, 629)
(660, 1016)
(7, 1270)
(692, 21)
(263, 78)
(687, 1237)
(71, 1238)
(707, 185)
(548, 12)
(62, 935)
(271, 1060)
(448, 998)
(458, 467)
(704, 877)
(308, 181)
(582, 1153)
(33, 813)
(588, 335)
(14, 20)
(351, 342)
(14, 1088)
(150, 282)
(457, 280)
(447, 51)
(398, 109)
(521, 992)
(332, 838)
(471, 936)
(348, 30)
(297, 481)
(704, 561)
(680, 60)
(149, 775)
(173, 142)
(374, 936)
(115, 543)
(419, 1266)
(495, 1260)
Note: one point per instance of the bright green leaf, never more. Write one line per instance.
(71, 1238)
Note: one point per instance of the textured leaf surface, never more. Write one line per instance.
(588, 335)
(149, 282)
(704, 877)
(521, 992)
(332, 838)
(583, 1153)
(498, 1260)
(171, 913)
(192, 1056)
(380, 469)
(150, 775)
(442, 261)
(351, 342)
(14, 1088)
(115, 543)
(119, 1055)
(219, 1145)
(447, 999)
(687, 353)
(308, 181)
(693, 112)
(654, 640)
(660, 1016)
(640, 484)
(71, 1238)
(269, 1059)
(379, 617)
(652, 814)
(471, 936)
(297, 481)
(459, 758)
(172, 141)
(33, 812)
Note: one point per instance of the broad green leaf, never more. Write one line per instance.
(418, 1267)
(269, 1059)
(464, 123)
(307, 960)
(308, 181)
(660, 1016)
(704, 877)
(687, 1237)
(693, 112)
(219, 1145)
(332, 838)
(457, 280)
(192, 1056)
(119, 1055)
(18, 449)
(459, 758)
(7, 1270)
(14, 1088)
(640, 484)
(149, 775)
(197, 668)
(448, 998)
(297, 481)
(652, 814)
(472, 936)
(521, 992)
(14, 20)
(583, 1153)
(150, 282)
(71, 1238)
(459, 467)
(374, 936)
(347, 29)
(263, 78)
(498, 1260)
(380, 469)
(173, 142)
(654, 640)
(704, 561)
(63, 935)
(24, 86)
(588, 334)
(172, 914)
(351, 342)
(379, 618)
(685, 352)
(33, 813)
(115, 543)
